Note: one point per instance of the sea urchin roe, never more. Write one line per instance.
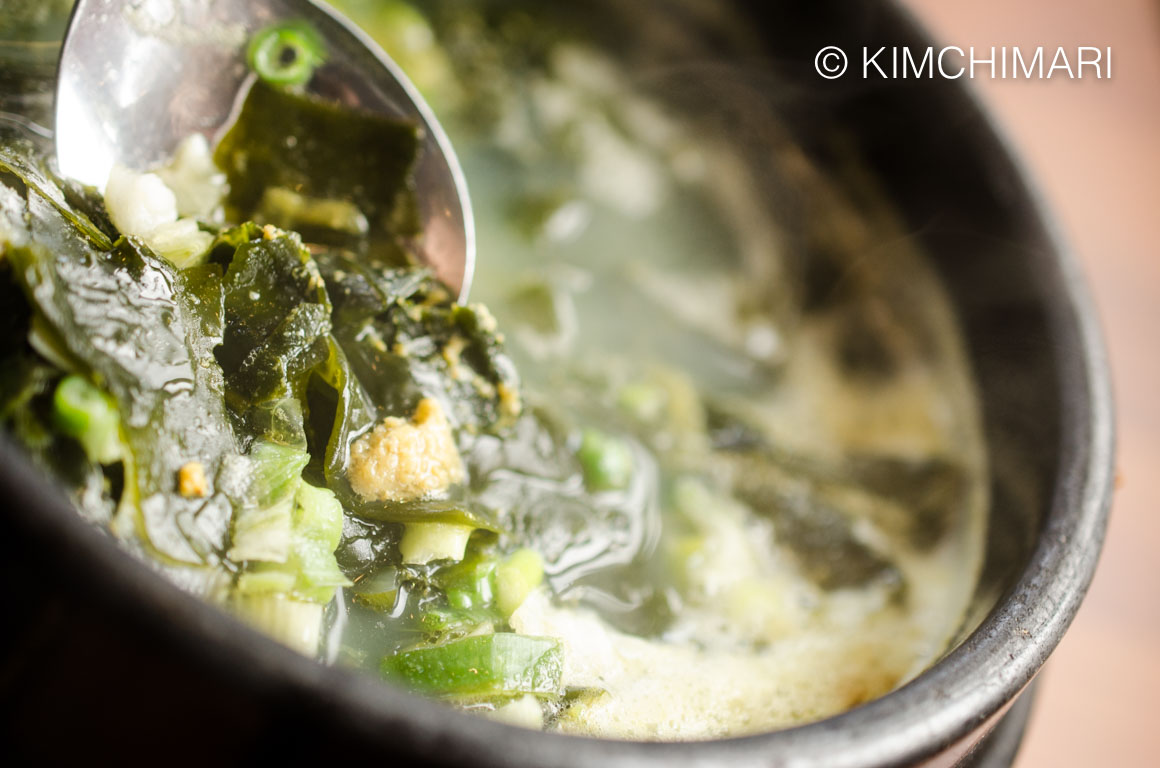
(403, 461)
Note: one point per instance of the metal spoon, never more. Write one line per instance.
(138, 76)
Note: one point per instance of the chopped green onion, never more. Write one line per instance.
(469, 584)
(606, 460)
(515, 578)
(86, 413)
(318, 572)
(444, 622)
(263, 529)
(318, 516)
(463, 599)
(263, 534)
(276, 472)
(308, 527)
(481, 666)
(263, 579)
(424, 543)
(295, 623)
(286, 53)
(317, 532)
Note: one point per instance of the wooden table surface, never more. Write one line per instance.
(1093, 148)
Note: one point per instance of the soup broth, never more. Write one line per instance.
(704, 461)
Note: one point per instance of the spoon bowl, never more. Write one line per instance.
(136, 77)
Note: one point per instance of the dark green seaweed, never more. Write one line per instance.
(285, 139)
(142, 332)
(815, 528)
(277, 319)
(406, 339)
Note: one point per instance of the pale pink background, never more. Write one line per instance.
(1093, 148)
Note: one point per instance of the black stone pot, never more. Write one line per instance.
(102, 658)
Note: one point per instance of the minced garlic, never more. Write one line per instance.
(191, 482)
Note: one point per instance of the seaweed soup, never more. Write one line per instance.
(697, 460)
